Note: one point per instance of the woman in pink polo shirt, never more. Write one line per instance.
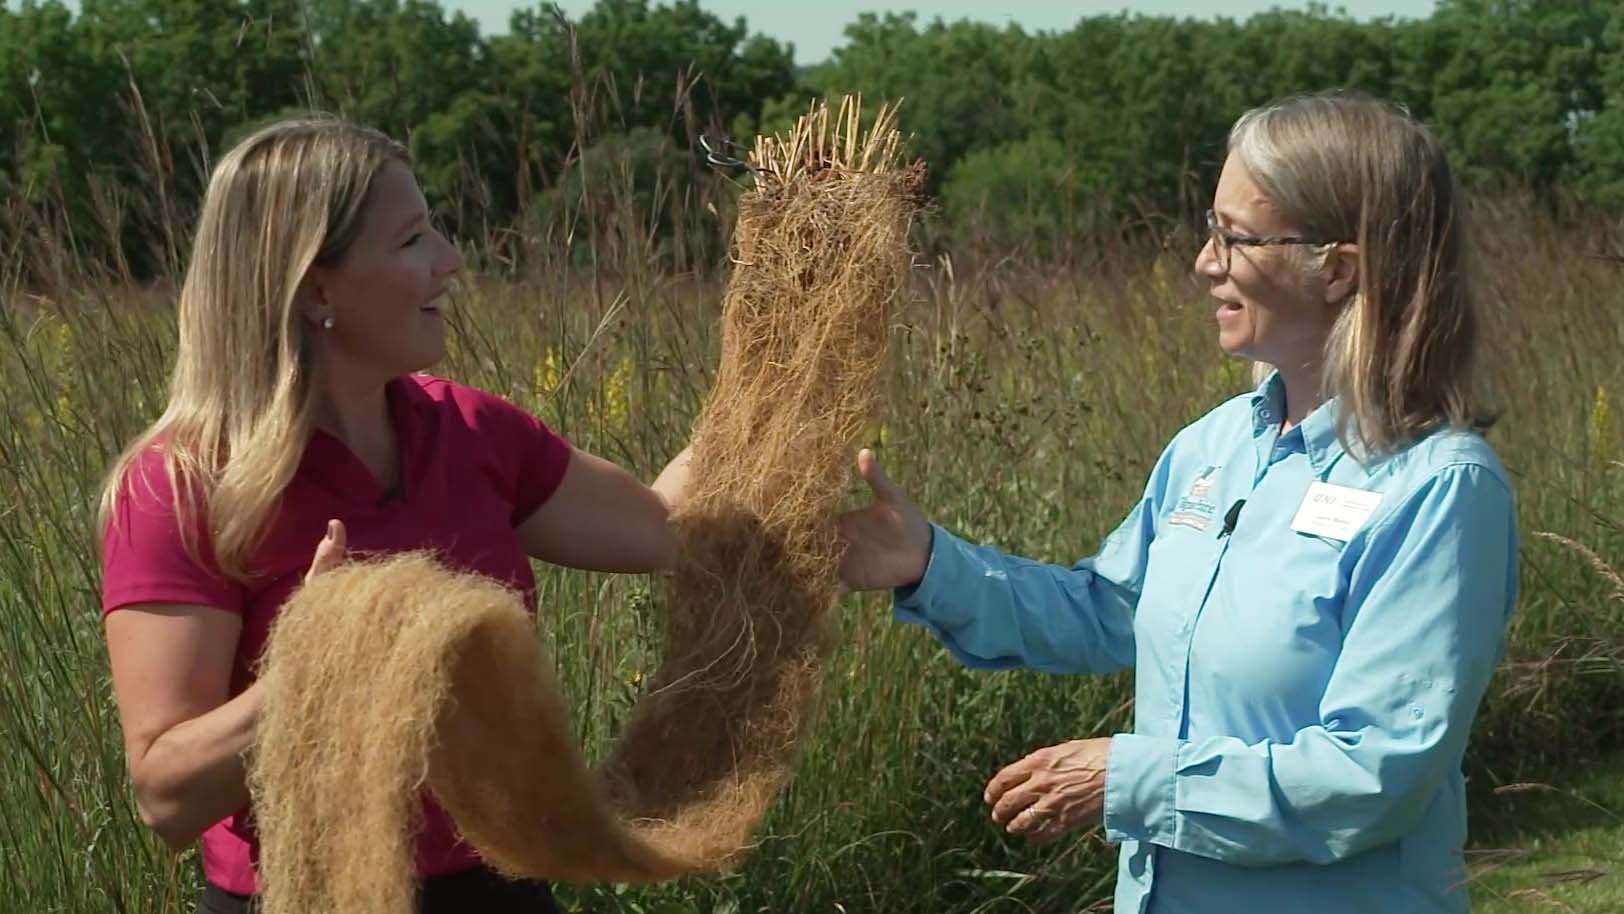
(297, 427)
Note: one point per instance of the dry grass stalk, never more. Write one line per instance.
(1606, 571)
(426, 678)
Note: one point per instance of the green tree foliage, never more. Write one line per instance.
(962, 84)
(1506, 81)
(1599, 129)
(119, 108)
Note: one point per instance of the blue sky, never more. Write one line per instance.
(815, 27)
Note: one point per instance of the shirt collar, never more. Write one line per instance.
(1320, 439)
(406, 397)
(335, 466)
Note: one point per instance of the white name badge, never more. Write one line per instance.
(1334, 512)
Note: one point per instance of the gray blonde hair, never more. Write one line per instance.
(288, 197)
(1402, 356)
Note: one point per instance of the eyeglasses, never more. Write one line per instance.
(1224, 241)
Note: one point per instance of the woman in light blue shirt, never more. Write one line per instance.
(1314, 588)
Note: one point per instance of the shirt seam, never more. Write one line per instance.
(1391, 518)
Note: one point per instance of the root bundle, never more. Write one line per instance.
(386, 677)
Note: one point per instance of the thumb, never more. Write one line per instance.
(330, 551)
(869, 467)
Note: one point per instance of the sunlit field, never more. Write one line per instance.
(1028, 396)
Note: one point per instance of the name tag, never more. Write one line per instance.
(1334, 512)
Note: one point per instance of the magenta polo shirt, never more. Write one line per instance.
(473, 466)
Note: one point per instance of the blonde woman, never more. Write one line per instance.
(298, 427)
(1313, 590)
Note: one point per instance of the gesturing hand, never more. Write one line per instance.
(1051, 791)
(887, 542)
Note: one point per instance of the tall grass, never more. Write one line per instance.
(1027, 399)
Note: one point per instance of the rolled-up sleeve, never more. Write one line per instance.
(1424, 627)
(997, 611)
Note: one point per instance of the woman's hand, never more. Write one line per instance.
(672, 483)
(329, 552)
(1051, 791)
(887, 542)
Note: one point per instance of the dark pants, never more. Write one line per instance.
(473, 890)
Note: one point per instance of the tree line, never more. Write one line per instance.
(109, 116)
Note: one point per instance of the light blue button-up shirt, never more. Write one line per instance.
(1302, 702)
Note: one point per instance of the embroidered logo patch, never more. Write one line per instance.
(1203, 483)
(1195, 510)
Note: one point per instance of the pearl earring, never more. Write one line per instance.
(327, 322)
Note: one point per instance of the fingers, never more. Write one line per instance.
(330, 551)
(1051, 791)
(1008, 777)
(1046, 832)
(1034, 822)
(866, 461)
(1015, 803)
(868, 466)
(1025, 810)
(1056, 823)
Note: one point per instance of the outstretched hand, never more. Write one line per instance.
(888, 541)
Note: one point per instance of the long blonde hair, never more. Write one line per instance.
(239, 414)
(1402, 356)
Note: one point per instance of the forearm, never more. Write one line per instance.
(671, 486)
(193, 775)
(603, 518)
(998, 611)
(650, 539)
